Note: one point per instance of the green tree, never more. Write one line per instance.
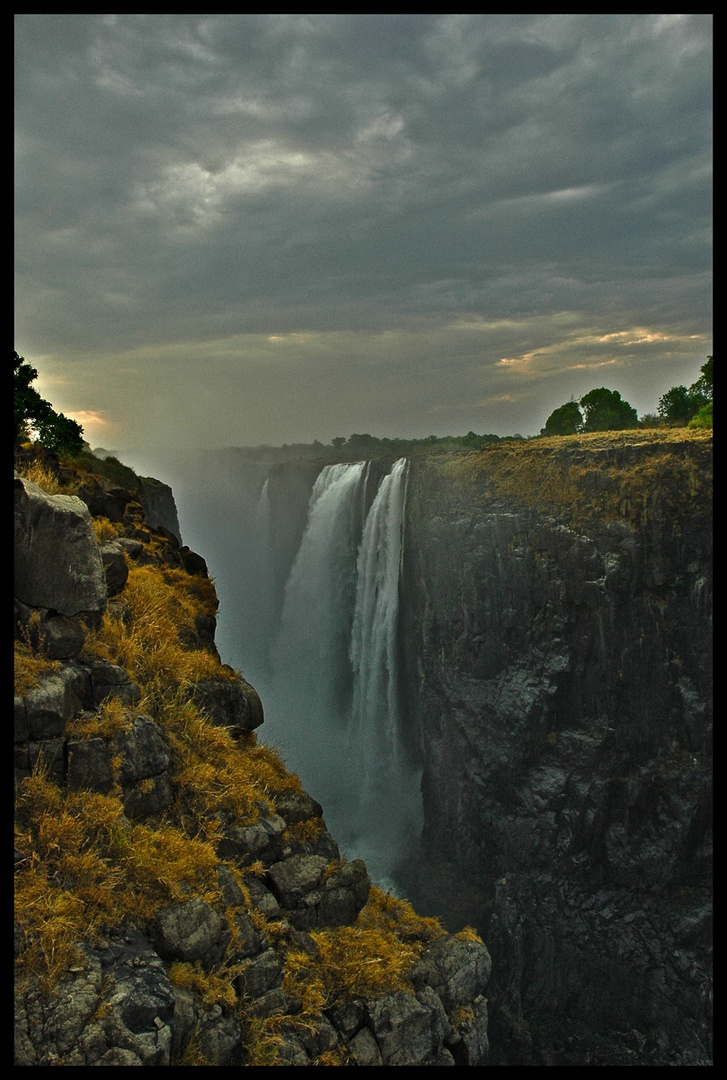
(702, 419)
(566, 420)
(606, 410)
(677, 404)
(33, 416)
(681, 405)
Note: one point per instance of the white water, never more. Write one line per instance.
(332, 706)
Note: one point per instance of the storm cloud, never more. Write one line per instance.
(244, 229)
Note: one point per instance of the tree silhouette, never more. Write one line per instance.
(34, 416)
(605, 410)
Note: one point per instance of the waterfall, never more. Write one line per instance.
(312, 648)
(333, 706)
(374, 643)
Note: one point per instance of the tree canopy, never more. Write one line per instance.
(566, 420)
(33, 416)
(606, 410)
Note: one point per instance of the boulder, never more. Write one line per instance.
(57, 560)
(189, 931)
(229, 702)
(316, 892)
(115, 566)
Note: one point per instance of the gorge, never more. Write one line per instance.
(545, 666)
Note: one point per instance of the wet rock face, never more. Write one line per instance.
(560, 682)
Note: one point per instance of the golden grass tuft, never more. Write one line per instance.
(214, 987)
(29, 667)
(43, 477)
(104, 530)
(111, 718)
(148, 644)
(468, 933)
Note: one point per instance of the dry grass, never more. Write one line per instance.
(373, 957)
(83, 867)
(148, 644)
(214, 987)
(43, 477)
(111, 718)
(582, 478)
(29, 667)
(105, 530)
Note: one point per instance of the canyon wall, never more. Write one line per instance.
(557, 634)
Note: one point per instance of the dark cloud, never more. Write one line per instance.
(186, 181)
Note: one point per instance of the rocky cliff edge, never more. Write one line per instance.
(179, 899)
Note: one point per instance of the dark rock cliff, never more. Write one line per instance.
(558, 639)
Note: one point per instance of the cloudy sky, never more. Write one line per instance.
(246, 229)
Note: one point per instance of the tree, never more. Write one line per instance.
(703, 385)
(566, 420)
(605, 410)
(678, 404)
(681, 405)
(34, 416)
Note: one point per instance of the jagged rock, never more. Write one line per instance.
(111, 680)
(262, 974)
(318, 893)
(143, 751)
(115, 566)
(193, 563)
(348, 1019)
(160, 509)
(42, 713)
(297, 806)
(295, 879)
(137, 760)
(552, 715)
(229, 702)
(50, 754)
(89, 765)
(54, 636)
(215, 1036)
(249, 843)
(344, 893)
(57, 559)
(105, 498)
(114, 1007)
(132, 547)
(406, 1032)
(320, 1038)
(263, 900)
(364, 1048)
(189, 931)
(144, 760)
(292, 1052)
(471, 1045)
(458, 971)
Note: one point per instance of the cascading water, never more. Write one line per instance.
(332, 705)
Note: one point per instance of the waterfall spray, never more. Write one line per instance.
(334, 698)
